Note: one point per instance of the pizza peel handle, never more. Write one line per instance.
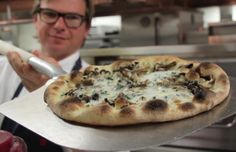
(37, 63)
(7, 47)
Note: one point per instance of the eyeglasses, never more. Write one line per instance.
(72, 20)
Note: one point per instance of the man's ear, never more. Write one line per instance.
(35, 18)
(87, 30)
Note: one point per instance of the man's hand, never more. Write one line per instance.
(31, 78)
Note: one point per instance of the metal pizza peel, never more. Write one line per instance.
(33, 113)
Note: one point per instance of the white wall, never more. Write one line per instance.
(210, 15)
(26, 37)
(107, 21)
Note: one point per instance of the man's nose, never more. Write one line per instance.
(60, 23)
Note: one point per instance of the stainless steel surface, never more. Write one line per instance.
(203, 51)
(37, 117)
(45, 67)
(226, 123)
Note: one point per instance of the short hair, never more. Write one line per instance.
(88, 14)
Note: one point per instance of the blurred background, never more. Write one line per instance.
(125, 23)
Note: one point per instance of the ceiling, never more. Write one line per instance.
(110, 7)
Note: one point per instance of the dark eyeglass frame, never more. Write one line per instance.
(65, 16)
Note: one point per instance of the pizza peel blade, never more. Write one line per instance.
(32, 112)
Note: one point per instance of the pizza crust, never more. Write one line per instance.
(212, 88)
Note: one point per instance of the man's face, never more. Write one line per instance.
(57, 39)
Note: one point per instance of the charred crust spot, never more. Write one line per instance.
(204, 65)
(105, 108)
(223, 79)
(126, 111)
(186, 106)
(206, 99)
(59, 83)
(71, 103)
(156, 105)
(74, 74)
(56, 88)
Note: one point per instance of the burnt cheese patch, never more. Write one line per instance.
(198, 92)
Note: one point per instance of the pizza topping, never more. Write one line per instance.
(95, 96)
(192, 75)
(168, 85)
(164, 67)
(121, 102)
(189, 66)
(145, 90)
(105, 72)
(69, 93)
(87, 82)
(195, 89)
(139, 85)
(109, 102)
(207, 77)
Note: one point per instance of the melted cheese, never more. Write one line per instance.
(111, 88)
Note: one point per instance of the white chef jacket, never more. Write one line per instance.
(9, 80)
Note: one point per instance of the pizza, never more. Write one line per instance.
(145, 90)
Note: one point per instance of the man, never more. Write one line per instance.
(62, 26)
